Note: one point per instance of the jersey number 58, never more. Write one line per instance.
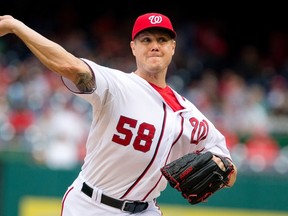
(143, 138)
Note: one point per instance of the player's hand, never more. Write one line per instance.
(6, 23)
(221, 165)
(219, 162)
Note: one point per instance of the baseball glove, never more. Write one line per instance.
(197, 176)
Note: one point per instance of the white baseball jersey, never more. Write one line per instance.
(134, 133)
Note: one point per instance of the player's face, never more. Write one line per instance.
(153, 50)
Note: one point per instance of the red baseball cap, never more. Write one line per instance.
(152, 20)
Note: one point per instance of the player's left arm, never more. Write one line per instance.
(233, 174)
(216, 143)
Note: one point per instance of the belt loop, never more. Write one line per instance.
(97, 194)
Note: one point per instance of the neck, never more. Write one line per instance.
(156, 79)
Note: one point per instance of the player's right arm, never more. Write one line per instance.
(51, 54)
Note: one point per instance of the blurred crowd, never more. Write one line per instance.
(243, 92)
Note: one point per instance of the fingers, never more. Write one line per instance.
(219, 162)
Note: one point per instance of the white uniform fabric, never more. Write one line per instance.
(133, 134)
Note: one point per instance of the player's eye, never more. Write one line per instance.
(162, 40)
(145, 39)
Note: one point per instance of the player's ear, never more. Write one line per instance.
(132, 45)
(174, 46)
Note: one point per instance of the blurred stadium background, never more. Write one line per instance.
(231, 61)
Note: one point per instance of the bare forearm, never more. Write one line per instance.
(52, 55)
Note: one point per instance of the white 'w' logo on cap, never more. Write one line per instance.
(155, 19)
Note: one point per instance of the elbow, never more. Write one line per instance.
(68, 71)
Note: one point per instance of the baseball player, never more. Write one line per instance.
(139, 122)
